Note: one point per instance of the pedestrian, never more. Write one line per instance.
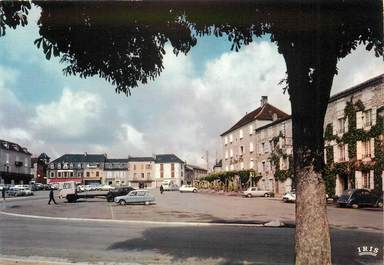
(3, 193)
(161, 189)
(51, 197)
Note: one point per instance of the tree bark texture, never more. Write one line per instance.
(311, 64)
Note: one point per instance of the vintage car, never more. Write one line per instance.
(188, 188)
(256, 192)
(356, 198)
(135, 197)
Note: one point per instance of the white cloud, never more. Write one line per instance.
(356, 68)
(72, 116)
(131, 137)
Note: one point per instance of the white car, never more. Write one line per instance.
(256, 192)
(135, 197)
(289, 196)
(106, 187)
(188, 188)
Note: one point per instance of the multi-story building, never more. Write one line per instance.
(239, 144)
(169, 167)
(141, 172)
(82, 168)
(354, 136)
(39, 167)
(116, 172)
(273, 154)
(193, 173)
(354, 145)
(15, 163)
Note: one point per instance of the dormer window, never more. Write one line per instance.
(58, 166)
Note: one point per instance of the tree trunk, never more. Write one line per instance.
(311, 64)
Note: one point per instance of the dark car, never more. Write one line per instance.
(356, 198)
(118, 192)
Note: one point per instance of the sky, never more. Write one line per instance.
(195, 99)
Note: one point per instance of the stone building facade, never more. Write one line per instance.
(239, 146)
(15, 163)
(354, 137)
(353, 162)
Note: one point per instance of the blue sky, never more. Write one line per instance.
(196, 98)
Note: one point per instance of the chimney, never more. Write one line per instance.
(85, 153)
(264, 100)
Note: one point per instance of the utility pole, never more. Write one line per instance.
(207, 157)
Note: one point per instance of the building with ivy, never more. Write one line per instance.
(354, 138)
(353, 132)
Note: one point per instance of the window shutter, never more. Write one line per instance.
(346, 124)
(359, 120)
(346, 152)
(280, 163)
(373, 116)
(325, 156)
(372, 143)
(335, 154)
(358, 180)
(371, 180)
(358, 150)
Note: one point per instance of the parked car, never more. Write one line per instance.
(118, 192)
(26, 191)
(106, 187)
(136, 197)
(289, 196)
(256, 192)
(169, 185)
(187, 188)
(356, 198)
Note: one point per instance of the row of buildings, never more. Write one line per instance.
(147, 172)
(143, 172)
(262, 141)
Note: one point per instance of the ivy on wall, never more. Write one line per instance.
(227, 180)
(277, 153)
(351, 137)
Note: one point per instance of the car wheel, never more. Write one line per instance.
(146, 203)
(355, 206)
(194, 191)
(285, 200)
(249, 195)
(266, 195)
(122, 202)
(379, 205)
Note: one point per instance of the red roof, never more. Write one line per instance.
(262, 113)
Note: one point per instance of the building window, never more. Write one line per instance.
(241, 150)
(65, 174)
(59, 166)
(226, 154)
(230, 138)
(97, 173)
(87, 174)
(367, 118)
(79, 165)
(250, 129)
(172, 166)
(251, 147)
(134, 166)
(226, 140)
(242, 165)
(71, 174)
(161, 174)
(59, 174)
(341, 126)
(241, 134)
(142, 175)
(52, 174)
(172, 174)
(342, 156)
(231, 153)
(52, 166)
(251, 164)
(78, 174)
(366, 179)
(263, 166)
(366, 149)
(148, 166)
(148, 175)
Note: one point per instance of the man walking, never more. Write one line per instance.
(51, 197)
(161, 189)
